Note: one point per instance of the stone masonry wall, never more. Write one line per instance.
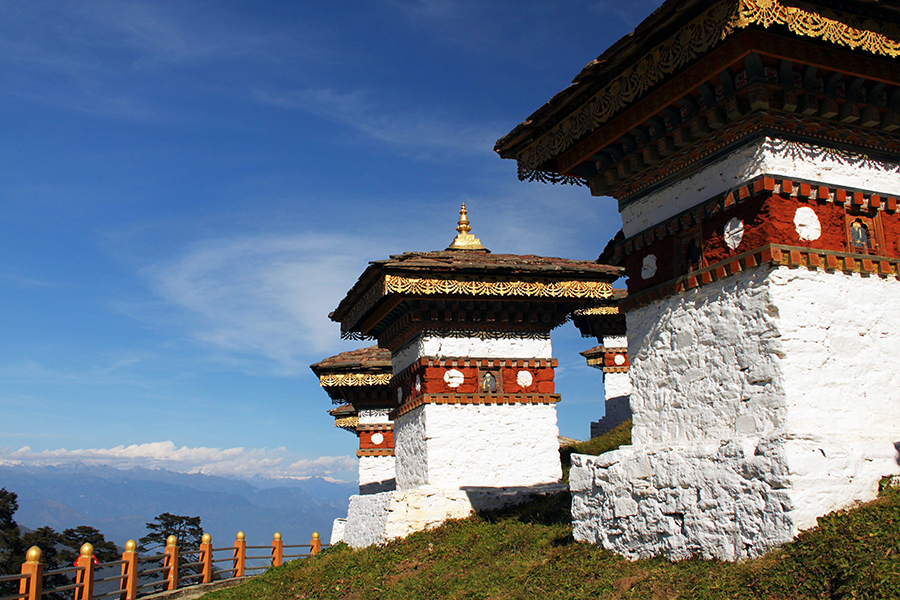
(760, 402)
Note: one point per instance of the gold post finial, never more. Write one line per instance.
(465, 240)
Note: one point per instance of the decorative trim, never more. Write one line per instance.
(475, 399)
(596, 310)
(375, 452)
(527, 287)
(773, 255)
(354, 379)
(451, 362)
(348, 423)
(786, 123)
(803, 19)
(486, 334)
(375, 427)
(693, 40)
(789, 188)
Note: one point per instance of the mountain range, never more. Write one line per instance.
(121, 502)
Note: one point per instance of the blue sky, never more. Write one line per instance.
(188, 188)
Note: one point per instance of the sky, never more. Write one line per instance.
(188, 188)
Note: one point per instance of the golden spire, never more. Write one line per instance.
(465, 240)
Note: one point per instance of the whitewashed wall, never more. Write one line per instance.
(500, 347)
(477, 445)
(760, 402)
(376, 469)
(771, 156)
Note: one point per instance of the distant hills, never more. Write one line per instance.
(120, 502)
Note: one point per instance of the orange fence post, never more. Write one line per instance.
(277, 550)
(33, 568)
(240, 554)
(206, 558)
(128, 585)
(85, 578)
(172, 563)
(315, 544)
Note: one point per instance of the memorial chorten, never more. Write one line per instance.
(473, 371)
(753, 148)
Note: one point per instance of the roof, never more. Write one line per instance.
(634, 54)
(372, 358)
(344, 410)
(473, 263)
(590, 353)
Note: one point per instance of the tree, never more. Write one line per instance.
(74, 538)
(12, 551)
(186, 529)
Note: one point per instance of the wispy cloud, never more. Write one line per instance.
(263, 295)
(272, 462)
(416, 132)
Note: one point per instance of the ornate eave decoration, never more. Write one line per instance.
(354, 379)
(696, 38)
(348, 423)
(471, 286)
(596, 311)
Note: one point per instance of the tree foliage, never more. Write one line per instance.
(186, 529)
(58, 550)
(74, 538)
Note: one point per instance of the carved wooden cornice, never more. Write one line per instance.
(693, 40)
(354, 379)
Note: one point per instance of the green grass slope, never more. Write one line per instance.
(528, 552)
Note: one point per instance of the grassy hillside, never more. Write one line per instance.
(529, 553)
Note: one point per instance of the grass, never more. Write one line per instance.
(528, 552)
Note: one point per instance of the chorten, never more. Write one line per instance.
(473, 376)
(359, 382)
(753, 147)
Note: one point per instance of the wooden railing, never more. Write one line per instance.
(142, 575)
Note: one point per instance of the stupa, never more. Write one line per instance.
(753, 147)
(473, 377)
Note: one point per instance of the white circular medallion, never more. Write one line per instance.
(619, 360)
(524, 379)
(453, 378)
(648, 269)
(418, 383)
(807, 224)
(377, 438)
(734, 231)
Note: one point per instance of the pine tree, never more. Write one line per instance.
(74, 538)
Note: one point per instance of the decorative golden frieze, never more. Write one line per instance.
(422, 286)
(596, 310)
(522, 288)
(697, 37)
(354, 379)
(347, 422)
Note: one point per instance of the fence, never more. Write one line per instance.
(142, 575)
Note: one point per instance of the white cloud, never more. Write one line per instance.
(266, 295)
(416, 132)
(240, 462)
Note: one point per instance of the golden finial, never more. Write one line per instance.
(205, 538)
(86, 550)
(171, 541)
(240, 536)
(465, 240)
(33, 555)
(277, 536)
(315, 535)
(130, 546)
